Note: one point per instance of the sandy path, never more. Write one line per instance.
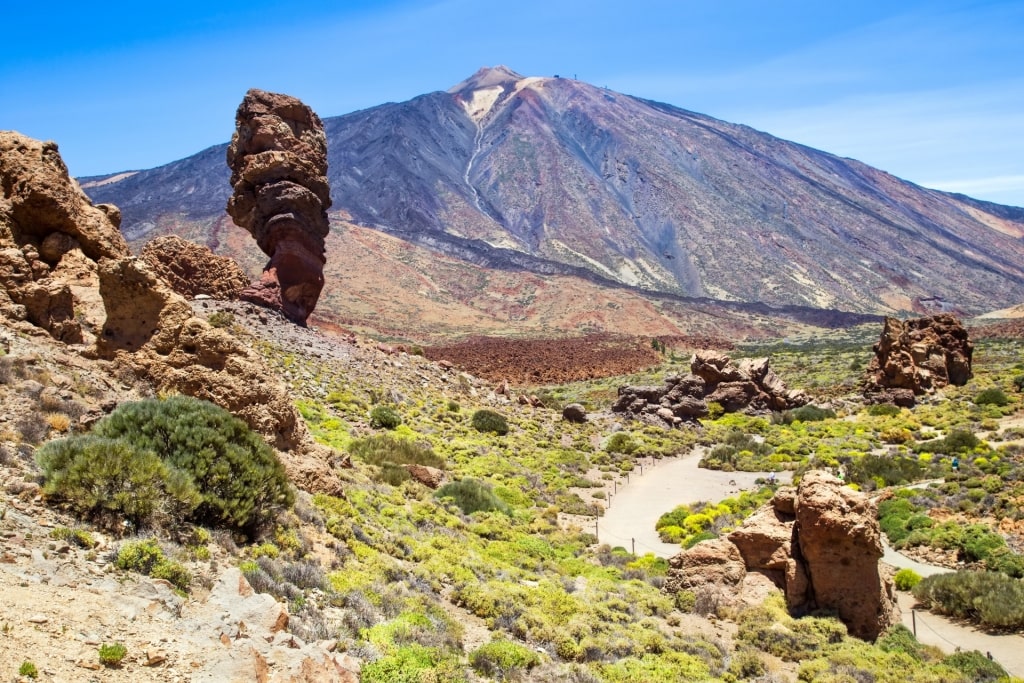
(949, 636)
(667, 483)
(636, 507)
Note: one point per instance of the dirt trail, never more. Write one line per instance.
(636, 507)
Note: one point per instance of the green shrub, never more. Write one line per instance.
(807, 413)
(620, 442)
(872, 469)
(384, 448)
(112, 655)
(111, 481)
(900, 639)
(472, 496)
(146, 557)
(221, 319)
(883, 410)
(239, 480)
(1018, 382)
(384, 417)
(28, 670)
(501, 659)
(977, 667)
(489, 421)
(993, 396)
(906, 579)
(80, 537)
(989, 598)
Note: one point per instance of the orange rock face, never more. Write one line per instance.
(819, 543)
(278, 161)
(192, 269)
(920, 356)
(51, 236)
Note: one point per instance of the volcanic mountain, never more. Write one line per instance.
(553, 177)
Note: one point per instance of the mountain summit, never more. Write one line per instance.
(553, 175)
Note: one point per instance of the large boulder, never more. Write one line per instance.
(819, 543)
(192, 269)
(919, 356)
(51, 237)
(278, 161)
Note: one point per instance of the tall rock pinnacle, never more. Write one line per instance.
(278, 161)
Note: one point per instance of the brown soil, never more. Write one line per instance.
(553, 361)
(1009, 329)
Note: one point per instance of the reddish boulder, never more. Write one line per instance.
(51, 236)
(919, 356)
(711, 563)
(819, 543)
(278, 161)
(192, 269)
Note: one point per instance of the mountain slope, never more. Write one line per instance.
(553, 175)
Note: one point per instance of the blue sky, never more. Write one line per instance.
(930, 91)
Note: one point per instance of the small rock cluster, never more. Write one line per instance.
(749, 385)
(278, 161)
(820, 543)
(916, 357)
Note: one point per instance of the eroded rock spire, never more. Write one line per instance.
(278, 161)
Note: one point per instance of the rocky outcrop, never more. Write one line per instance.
(917, 357)
(192, 269)
(153, 331)
(278, 161)
(50, 239)
(715, 563)
(819, 543)
(749, 385)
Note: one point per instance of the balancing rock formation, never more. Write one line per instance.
(820, 543)
(278, 161)
(749, 385)
(916, 357)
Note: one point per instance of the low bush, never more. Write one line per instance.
(884, 410)
(906, 579)
(384, 448)
(620, 442)
(957, 441)
(472, 496)
(503, 659)
(807, 413)
(489, 421)
(976, 667)
(872, 470)
(110, 482)
(991, 599)
(112, 654)
(992, 397)
(28, 670)
(80, 537)
(162, 460)
(221, 319)
(146, 557)
(384, 417)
